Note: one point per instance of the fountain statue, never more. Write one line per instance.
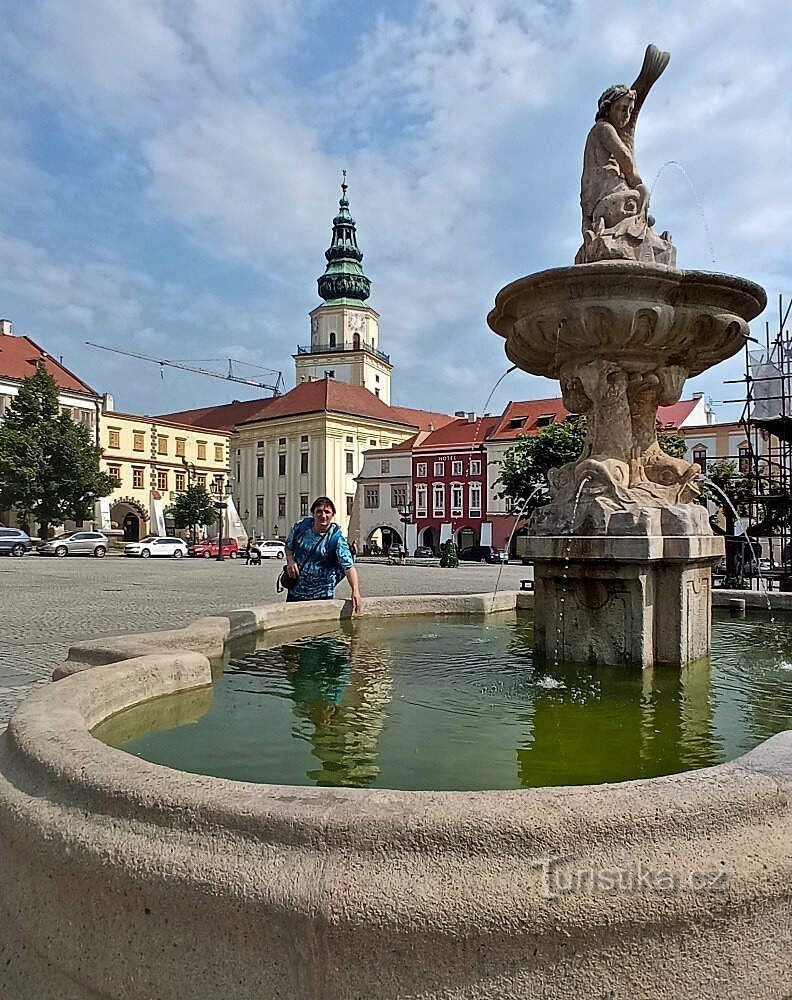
(623, 553)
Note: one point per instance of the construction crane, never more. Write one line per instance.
(275, 388)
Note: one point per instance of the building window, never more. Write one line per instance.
(137, 478)
(281, 506)
(201, 446)
(350, 462)
(259, 444)
(303, 439)
(281, 465)
(180, 443)
(219, 453)
(700, 458)
(260, 507)
(114, 437)
(303, 505)
(138, 440)
(303, 463)
(420, 500)
(509, 504)
(373, 442)
(438, 499)
(545, 419)
(114, 471)
(179, 481)
(420, 469)
(281, 441)
(744, 463)
(162, 480)
(162, 444)
(371, 497)
(350, 503)
(474, 497)
(438, 469)
(385, 465)
(456, 468)
(259, 467)
(456, 499)
(201, 480)
(475, 466)
(350, 439)
(332, 339)
(398, 496)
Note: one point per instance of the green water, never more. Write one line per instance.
(449, 703)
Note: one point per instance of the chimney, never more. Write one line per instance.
(5, 328)
(471, 418)
(459, 413)
(108, 403)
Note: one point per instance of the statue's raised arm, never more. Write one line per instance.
(654, 63)
(613, 198)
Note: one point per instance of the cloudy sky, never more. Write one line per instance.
(169, 171)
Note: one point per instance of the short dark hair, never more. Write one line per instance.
(324, 501)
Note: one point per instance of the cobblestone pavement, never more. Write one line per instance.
(48, 604)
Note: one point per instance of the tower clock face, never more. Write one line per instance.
(356, 323)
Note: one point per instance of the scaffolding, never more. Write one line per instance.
(767, 460)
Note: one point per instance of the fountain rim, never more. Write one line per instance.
(669, 285)
(51, 731)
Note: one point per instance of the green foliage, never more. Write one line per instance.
(725, 474)
(673, 444)
(194, 506)
(49, 466)
(526, 465)
(449, 557)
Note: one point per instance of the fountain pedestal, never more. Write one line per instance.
(623, 553)
(637, 601)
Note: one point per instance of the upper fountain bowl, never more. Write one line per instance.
(641, 314)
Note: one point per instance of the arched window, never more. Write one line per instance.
(356, 341)
(700, 457)
(332, 339)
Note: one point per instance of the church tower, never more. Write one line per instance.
(345, 331)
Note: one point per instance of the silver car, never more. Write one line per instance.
(14, 542)
(78, 543)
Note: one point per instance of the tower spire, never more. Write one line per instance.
(344, 277)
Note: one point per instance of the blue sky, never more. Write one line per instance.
(169, 171)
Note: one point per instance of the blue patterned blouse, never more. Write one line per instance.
(321, 568)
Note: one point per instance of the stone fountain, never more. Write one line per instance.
(623, 553)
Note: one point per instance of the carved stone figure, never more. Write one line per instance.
(613, 198)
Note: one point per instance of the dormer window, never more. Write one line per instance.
(545, 419)
(516, 422)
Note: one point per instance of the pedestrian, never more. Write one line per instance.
(318, 557)
(353, 549)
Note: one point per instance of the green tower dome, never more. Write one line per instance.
(344, 277)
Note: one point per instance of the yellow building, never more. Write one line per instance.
(153, 460)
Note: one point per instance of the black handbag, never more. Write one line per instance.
(286, 582)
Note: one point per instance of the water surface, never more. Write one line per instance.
(457, 703)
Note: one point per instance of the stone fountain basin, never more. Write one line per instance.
(646, 316)
(125, 879)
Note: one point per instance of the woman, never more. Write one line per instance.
(318, 557)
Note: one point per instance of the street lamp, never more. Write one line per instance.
(406, 516)
(222, 492)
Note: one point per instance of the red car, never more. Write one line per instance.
(209, 546)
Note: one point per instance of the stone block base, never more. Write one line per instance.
(633, 601)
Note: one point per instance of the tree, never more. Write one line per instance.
(194, 506)
(734, 484)
(526, 465)
(49, 467)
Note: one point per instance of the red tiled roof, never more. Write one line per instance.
(223, 417)
(672, 416)
(20, 355)
(424, 420)
(460, 433)
(523, 416)
(528, 412)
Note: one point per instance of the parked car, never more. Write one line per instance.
(483, 553)
(396, 551)
(14, 542)
(424, 552)
(78, 543)
(154, 545)
(209, 547)
(271, 548)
